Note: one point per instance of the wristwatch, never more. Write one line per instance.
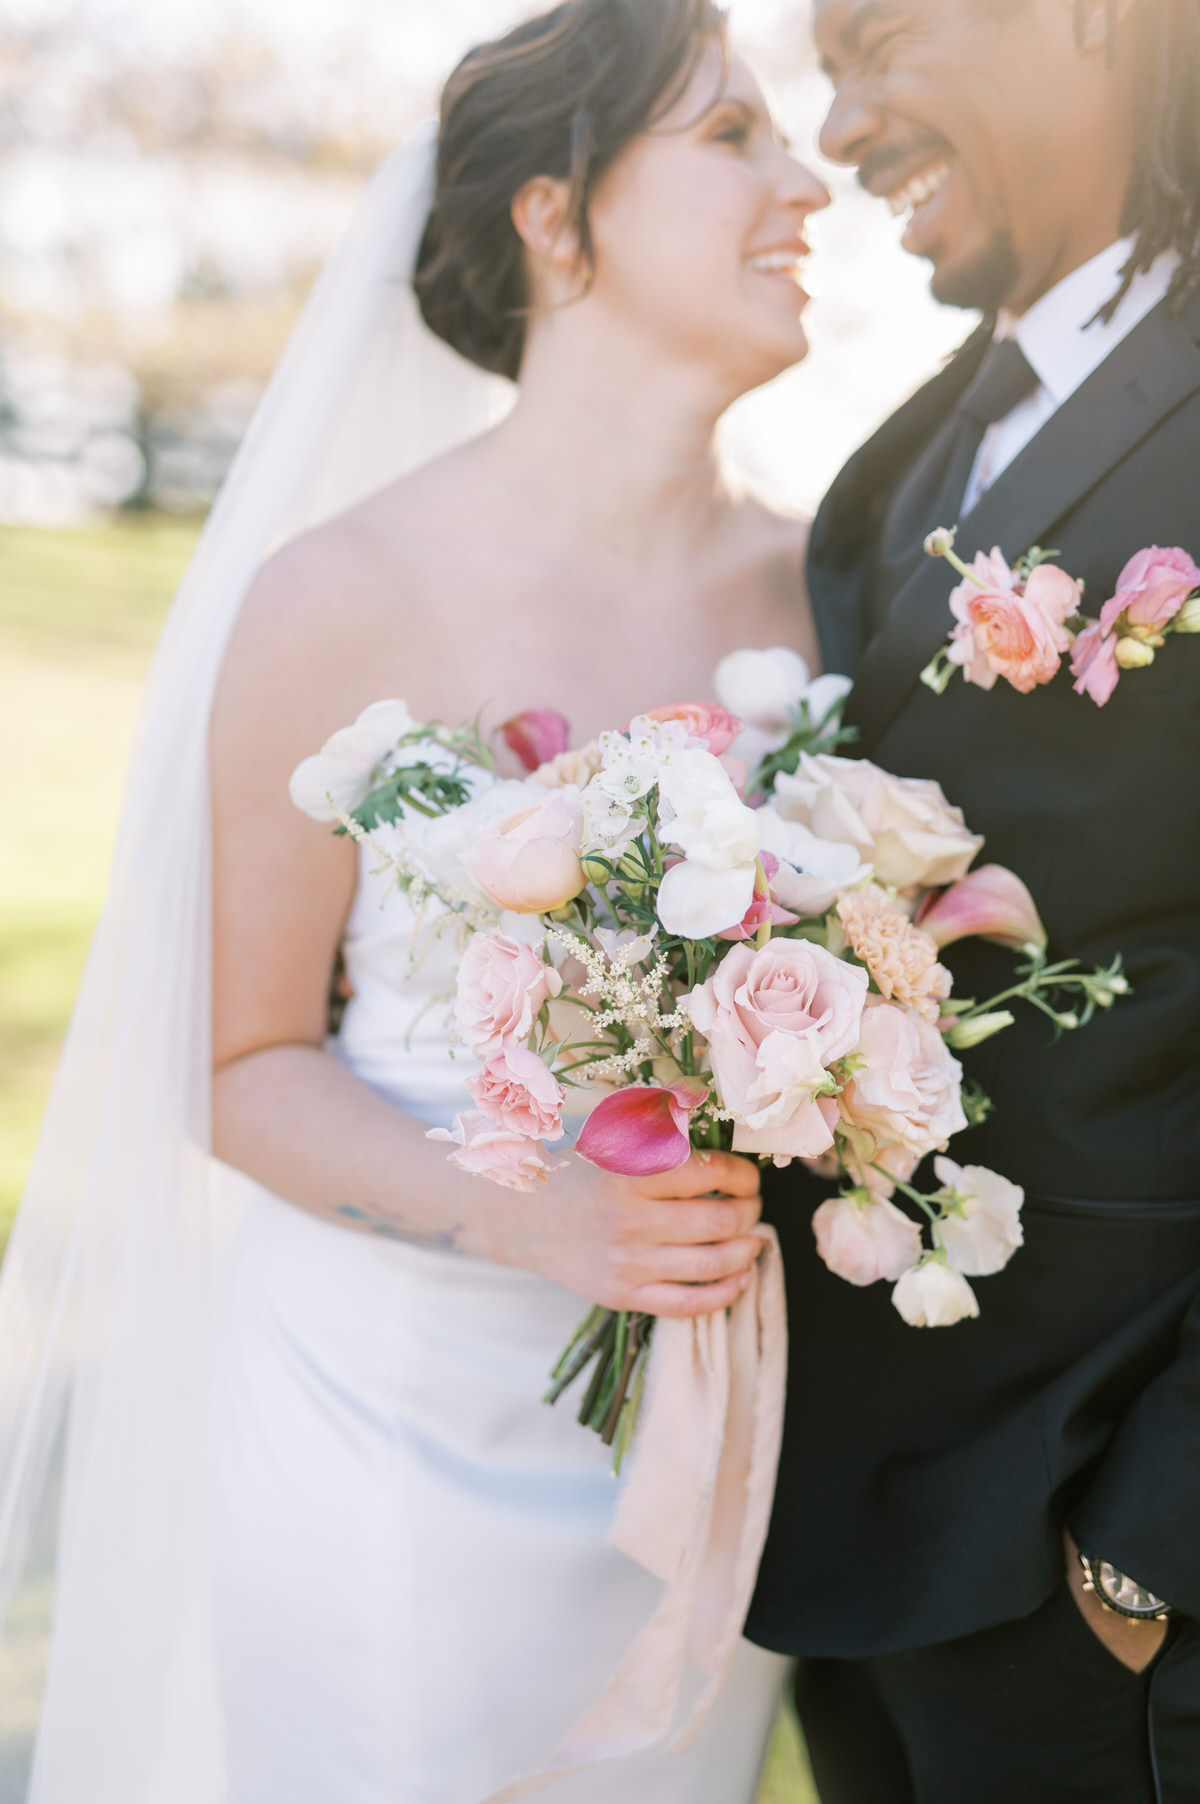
(1114, 1590)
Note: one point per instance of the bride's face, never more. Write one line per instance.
(699, 231)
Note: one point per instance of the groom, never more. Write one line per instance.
(935, 1485)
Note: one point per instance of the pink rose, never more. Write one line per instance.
(1094, 664)
(1151, 589)
(775, 1020)
(716, 726)
(502, 988)
(530, 862)
(537, 736)
(1006, 631)
(906, 1089)
(516, 1092)
(486, 1150)
(863, 1242)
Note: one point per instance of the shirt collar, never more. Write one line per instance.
(1060, 336)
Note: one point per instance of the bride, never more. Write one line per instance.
(383, 1574)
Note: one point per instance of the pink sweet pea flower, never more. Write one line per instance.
(988, 904)
(1151, 589)
(716, 726)
(642, 1130)
(516, 1092)
(1094, 663)
(863, 1242)
(537, 736)
(487, 1150)
(763, 908)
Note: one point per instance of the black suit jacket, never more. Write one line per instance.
(925, 1474)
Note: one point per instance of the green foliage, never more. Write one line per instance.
(807, 735)
(417, 786)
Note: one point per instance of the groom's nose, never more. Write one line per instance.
(852, 124)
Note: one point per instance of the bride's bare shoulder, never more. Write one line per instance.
(345, 605)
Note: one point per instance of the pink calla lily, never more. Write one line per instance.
(642, 1130)
(988, 904)
(536, 736)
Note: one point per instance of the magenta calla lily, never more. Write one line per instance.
(988, 904)
(537, 736)
(642, 1130)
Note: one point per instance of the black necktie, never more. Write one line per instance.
(932, 493)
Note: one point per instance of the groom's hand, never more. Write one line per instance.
(1134, 1643)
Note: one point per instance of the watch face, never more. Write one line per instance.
(1125, 1592)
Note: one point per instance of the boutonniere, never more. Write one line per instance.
(1020, 623)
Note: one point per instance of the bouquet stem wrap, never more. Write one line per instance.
(694, 1512)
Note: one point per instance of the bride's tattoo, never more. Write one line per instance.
(438, 1241)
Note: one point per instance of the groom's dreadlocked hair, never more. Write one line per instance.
(561, 96)
(1162, 211)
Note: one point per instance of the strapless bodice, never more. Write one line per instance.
(397, 1030)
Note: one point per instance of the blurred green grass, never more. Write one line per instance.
(79, 613)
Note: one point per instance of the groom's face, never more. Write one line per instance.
(1006, 143)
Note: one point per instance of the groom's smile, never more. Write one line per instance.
(999, 132)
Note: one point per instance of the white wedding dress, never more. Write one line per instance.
(415, 1596)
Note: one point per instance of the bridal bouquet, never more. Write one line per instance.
(709, 930)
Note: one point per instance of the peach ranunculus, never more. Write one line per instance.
(1009, 629)
(487, 1150)
(502, 988)
(517, 1092)
(863, 1242)
(529, 863)
(906, 1087)
(716, 726)
(775, 1019)
(903, 826)
(902, 960)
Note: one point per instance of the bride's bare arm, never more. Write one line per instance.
(293, 1118)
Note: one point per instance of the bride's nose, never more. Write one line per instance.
(800, 188)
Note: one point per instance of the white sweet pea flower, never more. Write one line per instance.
(699, 811)
(345, 767)
(982, 1235)
(934, 1295)
(812, 872)
(762, 687)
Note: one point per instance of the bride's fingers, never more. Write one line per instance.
(706, 1264)
(705, 1174)
(690, 1299)
(697, 1224)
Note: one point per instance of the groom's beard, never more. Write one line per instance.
(983, 283)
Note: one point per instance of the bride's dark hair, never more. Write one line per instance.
(560, 96)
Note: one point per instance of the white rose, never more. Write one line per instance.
(903, 826)
(984, 1235)
(342, 773)
(933, 1295)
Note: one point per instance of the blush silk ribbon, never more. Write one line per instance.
(694, 1512)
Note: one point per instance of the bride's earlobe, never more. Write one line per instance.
(541, 214)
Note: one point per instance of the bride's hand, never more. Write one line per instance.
(680, 1244)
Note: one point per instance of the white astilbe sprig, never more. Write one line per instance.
(627, 998)
(409, 875)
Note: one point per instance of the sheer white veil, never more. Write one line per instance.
(105, 1290)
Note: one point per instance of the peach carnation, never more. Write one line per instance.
(902, 960)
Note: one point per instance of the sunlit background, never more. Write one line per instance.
(172, 173)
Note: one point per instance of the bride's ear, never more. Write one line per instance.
(541, 213)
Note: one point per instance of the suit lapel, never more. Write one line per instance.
(845, 531)
(1149, 375)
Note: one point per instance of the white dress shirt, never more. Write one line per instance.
(1063, 348)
